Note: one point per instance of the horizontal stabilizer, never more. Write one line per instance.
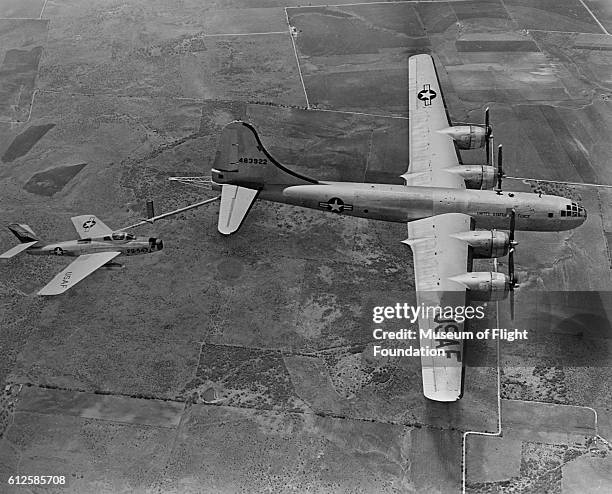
(235, 204)
(18, 249)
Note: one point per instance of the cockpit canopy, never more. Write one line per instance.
(121, 236)
(574, 210)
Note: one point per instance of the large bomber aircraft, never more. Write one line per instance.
(451, 214)
(97, 247)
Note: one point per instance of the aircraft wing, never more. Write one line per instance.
(437, 256)
(79, 269)
(88, 225)
(431, 152)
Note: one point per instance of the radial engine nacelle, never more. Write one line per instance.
(486, 243)
(476, 176)
(467, 136)
(485, 286)
(491, 285)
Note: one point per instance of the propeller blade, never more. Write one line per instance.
(500, 170)
(487, 137)
(511, 275)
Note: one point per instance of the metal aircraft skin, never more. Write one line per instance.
(443, 203)
(96, 248)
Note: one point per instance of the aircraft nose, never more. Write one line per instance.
(575, 213)
(156, 243)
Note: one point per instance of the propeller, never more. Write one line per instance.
(512, 279)
(500, 170)
(488, 136)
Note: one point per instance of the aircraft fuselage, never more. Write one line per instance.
(74, 248)
(403, 204)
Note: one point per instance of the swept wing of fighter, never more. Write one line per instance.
(451, 215)
(96, 248)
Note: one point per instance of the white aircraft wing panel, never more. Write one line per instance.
(430, 150)
(434, 178)
(88, 225)
(76, 271)
(437, 256)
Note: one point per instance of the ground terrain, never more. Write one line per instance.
(243, 364)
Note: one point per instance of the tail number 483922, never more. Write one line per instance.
(256, 161)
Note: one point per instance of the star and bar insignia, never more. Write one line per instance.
(426, 94)
(89, 224)
(336, 205)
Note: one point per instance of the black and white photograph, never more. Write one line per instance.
(283, 246)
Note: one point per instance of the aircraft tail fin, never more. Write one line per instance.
(23, 232)
(243, 160)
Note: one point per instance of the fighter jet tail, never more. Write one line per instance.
(23, 232)
(26, 236)
(243, 167)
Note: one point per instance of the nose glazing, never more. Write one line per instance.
(574, 210)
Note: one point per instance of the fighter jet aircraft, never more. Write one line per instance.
(97, 247)
(451, 215)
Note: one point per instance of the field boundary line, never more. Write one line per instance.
(297, 58)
